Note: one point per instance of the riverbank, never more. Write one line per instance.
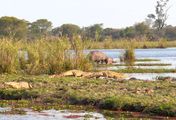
(147, 97)
(122, 44)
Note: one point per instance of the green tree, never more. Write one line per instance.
(129, 32)
(93, 32)
(112, 33)
(68, 30)
(13, 27)
(170, 32)
(40, 28)
(141, 29)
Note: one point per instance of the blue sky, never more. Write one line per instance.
(112, 13)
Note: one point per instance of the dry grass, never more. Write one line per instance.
(123, 43)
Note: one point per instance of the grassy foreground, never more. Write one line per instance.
(148, 97)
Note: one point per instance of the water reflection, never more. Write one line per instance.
(150, 76)
(52, 115)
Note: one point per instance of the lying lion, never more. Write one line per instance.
(79, 73)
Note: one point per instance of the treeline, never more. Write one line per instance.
(15, 28)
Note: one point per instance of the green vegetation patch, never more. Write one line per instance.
(14, 112)
(147, 60)
(141, 70)
(149, 97)
(146, 64)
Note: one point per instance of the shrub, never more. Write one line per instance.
(162, 110)
(111, 103)
(136, 106)
(18, 94)
(129, 56)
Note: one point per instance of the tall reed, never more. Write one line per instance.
(44, 56)
(122, 43)
(80, 60)
(8, 56)
(128, 57)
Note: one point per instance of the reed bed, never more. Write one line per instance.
(123, 43)
(56, 55)
(8, 57)
(44, 56)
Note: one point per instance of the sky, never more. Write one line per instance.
(112, 13)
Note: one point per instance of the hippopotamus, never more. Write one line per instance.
(100, 57)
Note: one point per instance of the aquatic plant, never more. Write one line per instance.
(128, 56)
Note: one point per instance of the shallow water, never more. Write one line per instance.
(166, 56)
(150, 76)
(52, 115)
(140, 53)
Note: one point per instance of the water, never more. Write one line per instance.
(150, 76)
(166, 56)
(52, 115)
(140, 53)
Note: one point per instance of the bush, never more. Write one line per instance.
(129, 56)
(111, 103)
(18, 94)
(78, 100)
(162, 110)
(135, 107)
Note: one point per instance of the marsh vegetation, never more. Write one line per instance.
(88, 72)
(34, 61)
(42, 56)
(147, 97)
